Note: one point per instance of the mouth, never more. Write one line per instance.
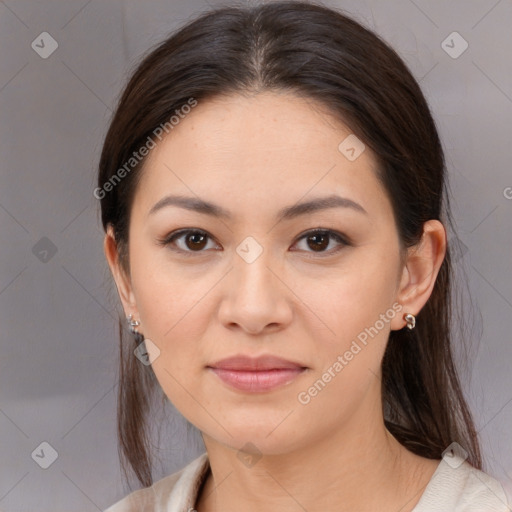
(255, 375)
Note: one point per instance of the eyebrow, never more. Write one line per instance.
(207, 208)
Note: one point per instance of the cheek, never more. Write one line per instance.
(356, 309)
(352, 300)
(166, 294)
(173, 316)
(176, 321)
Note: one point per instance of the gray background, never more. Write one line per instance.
(58, 309)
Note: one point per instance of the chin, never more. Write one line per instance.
(264, 439)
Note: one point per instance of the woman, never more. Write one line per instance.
(273, 193)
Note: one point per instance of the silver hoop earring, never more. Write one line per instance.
(132, 324)
(411, 320)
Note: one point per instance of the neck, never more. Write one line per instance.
(353, 468)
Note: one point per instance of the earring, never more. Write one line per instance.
(411, 320)
(132, 324)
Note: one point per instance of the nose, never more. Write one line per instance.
(255, 297)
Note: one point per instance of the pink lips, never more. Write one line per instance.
(256, 374)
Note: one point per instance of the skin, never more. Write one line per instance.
(254, 155)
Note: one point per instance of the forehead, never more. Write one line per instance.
(260, 150)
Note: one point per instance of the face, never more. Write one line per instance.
(255, 283)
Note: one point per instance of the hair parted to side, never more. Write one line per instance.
(319, 54)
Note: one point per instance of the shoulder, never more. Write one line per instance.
(157, 497)
(480, 491)
(456, 486)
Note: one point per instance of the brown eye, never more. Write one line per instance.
(318, 241)
(195, 240)
(191, 240)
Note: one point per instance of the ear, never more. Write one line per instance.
(420, 271)
(123, 282)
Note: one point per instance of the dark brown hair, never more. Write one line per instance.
(323, 55)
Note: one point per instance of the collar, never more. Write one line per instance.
(184, 494)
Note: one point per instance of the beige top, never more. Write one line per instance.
(455, 486)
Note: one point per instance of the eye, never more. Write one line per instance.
(319, 240)
(195, 240)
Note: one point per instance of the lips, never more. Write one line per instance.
(259, 374)
(246, 363)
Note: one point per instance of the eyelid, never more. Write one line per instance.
(168, 239)
(342, 239)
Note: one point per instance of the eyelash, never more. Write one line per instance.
(338, 237)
